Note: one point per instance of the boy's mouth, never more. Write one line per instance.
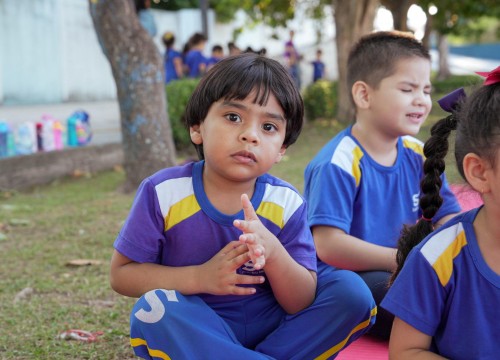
(415, 117)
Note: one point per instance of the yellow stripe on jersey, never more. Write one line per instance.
(181, 211)
(154, 353)
(336, 348)
(442, 248)
(356, 170)
(414, 144)
(272, 212)
(171, 191)
(278, 204)
(347, 156)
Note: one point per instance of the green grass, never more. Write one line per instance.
(79, 218)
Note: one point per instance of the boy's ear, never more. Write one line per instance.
(195, 134)
(360, 94)
(476, 171)
(280, 154)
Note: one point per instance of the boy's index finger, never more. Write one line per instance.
(248, 209)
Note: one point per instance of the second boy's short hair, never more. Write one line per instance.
(375, 55)
(235, 77)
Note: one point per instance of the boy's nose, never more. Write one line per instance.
(249, 134)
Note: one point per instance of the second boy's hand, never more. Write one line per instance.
(252, 228)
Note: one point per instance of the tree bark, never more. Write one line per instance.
(137, 68)
(353, 18)
(399, 10)
(443, 51)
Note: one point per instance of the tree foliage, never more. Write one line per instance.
(454, 17)
(273, 13)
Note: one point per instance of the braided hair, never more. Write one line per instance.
(435, 150)
(477, 125)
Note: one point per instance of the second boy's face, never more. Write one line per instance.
(241, 140)
(402, 102)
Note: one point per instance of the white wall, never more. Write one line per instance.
(49, 51)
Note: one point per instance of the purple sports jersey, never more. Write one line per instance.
(173, 223)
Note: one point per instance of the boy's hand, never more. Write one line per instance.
(254, 234)
(218, 275)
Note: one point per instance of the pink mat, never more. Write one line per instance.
(365, 348)
(466, 196)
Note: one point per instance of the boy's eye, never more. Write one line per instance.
(269, 127)
(233, 117)
(406, 90)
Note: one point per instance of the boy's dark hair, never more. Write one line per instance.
(234, 78)
(374, 56)
(478, 131)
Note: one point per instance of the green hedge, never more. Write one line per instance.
(320, 100)
(455, 82)
(178, 93)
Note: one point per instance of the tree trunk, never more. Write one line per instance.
(426, 40)
(399, 10)
(137, 68)
(443, 51)
(353, 18)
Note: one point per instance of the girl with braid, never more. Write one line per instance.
(446, 297)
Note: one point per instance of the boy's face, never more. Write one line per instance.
(241, 140)
(402, 101)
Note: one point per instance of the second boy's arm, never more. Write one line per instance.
(345, 251)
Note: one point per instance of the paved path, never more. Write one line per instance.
(104, 117)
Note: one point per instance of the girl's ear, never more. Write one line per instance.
(360, 93)
(476, 171)
(195, 134)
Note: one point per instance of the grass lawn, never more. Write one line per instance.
(41, 230)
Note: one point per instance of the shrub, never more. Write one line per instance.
(454, 82)
(320, 100)
(178, 93)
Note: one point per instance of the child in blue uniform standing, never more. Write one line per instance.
(172, 59)
(219, 251)
(194, 60)
(364, 184)
(446, 296)
(318, 66)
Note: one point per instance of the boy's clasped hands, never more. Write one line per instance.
(221, 277)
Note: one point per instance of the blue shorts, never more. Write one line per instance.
(166, 324)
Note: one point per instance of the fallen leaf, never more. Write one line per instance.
(23, 294)
(83, 262)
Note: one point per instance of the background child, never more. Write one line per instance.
(217, 55)
(233, 283)
(364, 184)
(172, 59)
(446, 296)
(194, 60)
(318, 66)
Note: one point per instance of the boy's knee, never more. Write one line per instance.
(347, 291)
